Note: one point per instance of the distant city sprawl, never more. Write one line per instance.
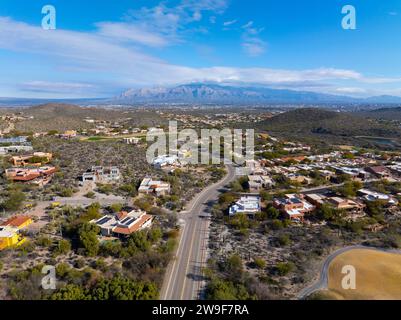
(212, 146)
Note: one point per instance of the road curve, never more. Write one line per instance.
(183, 279)
(323, 281)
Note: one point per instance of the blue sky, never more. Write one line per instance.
(101, 48)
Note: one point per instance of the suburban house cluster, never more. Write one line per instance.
(300, 173)
(31, 168)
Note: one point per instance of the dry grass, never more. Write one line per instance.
(378, 275)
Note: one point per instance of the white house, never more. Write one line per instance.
(249, 205)
(149, 186)
(100, 174)
(164, 161)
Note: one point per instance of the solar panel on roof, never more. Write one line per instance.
(104, 220)
(125, 220)
(131, 220)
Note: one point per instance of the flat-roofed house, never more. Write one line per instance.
(380, 171)
(40, 176)
(370, 196)
(14, 140)
(149, 186)
(316, 199)
(249, 205)
(15, 149)
(345, 204)
(254, 167)
(298, 178)
(258, 182)
(36, 159)
(293, 207)
(165, 160)
(99, 174)
(326, 174)
(10, 237)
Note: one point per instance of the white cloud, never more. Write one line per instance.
(56, 87)
(229, 23)
(173, 22)
(379, 80)
(254, 47)
(247, 25)
(132, 33)
(252, 44)
(86, 54)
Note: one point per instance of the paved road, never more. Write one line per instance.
(323, 281)
(183, 279)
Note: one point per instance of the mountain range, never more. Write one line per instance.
(205, 93)
(215, 93)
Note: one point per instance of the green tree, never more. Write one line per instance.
(226, 198)
(88, 238)
(234, 264)
(120, 288)
(325, 212)
(63, 247)
(273, 213)
(139, 240)
(70, 292)
(155, 234)
(116, 207)
(347, 190)
(92, 213)
(219, 289)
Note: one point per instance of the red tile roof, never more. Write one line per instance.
(127, 231)
(16, 221)
(121, 215)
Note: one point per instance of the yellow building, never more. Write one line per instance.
(9, 231)
(18, 222)
(9, 237)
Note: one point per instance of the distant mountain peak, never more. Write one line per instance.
(218, 93)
